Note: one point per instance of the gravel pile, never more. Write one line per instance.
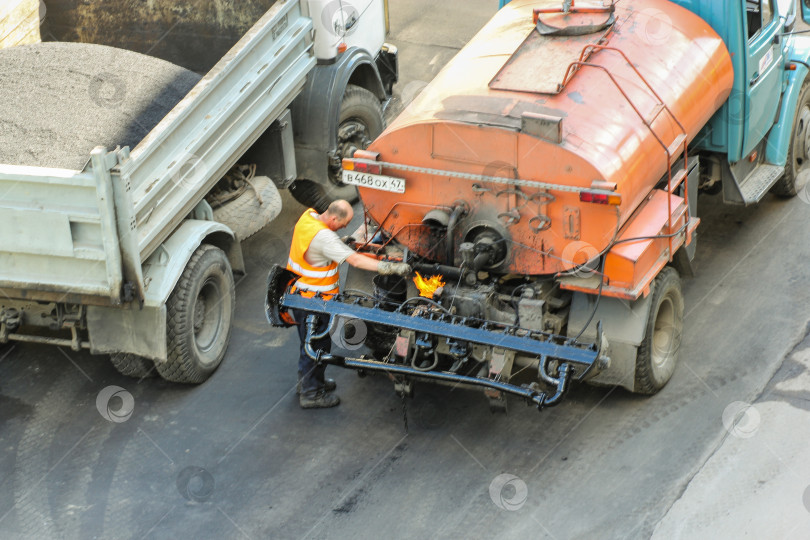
(58, 101)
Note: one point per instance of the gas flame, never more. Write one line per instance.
(427, 287)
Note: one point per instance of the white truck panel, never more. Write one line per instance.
(366, 32)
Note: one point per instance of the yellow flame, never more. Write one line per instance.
(427, 286)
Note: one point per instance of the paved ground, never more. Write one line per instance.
(236, 457)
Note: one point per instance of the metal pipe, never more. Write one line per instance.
(319, 355)
(451, 225)
(49, 341)
(452, 273)
(538, 398)
(562, 387)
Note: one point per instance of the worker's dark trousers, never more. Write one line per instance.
(311, 374)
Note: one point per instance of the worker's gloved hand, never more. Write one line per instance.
(393, 268)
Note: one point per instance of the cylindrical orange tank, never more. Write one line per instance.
(496, 111)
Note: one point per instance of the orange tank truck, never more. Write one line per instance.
(544, 189)
(476, 118)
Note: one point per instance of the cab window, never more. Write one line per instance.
(759, 14)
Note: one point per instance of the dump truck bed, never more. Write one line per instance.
(82, 235)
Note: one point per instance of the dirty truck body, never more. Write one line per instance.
(125, 257)
(550, 175)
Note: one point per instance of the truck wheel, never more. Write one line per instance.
(133, 365)
(798, 157)
(245, 215)
(310, 194)
(361, 121)
(199, 316)
(658, 353)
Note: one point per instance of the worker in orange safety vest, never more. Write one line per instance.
(315, 254)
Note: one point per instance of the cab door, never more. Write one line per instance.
(764, 66)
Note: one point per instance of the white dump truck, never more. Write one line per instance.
(133, 254)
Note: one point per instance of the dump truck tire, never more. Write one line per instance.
(133, 365)
(361, 121)
(658, 354)
(798, 158)
(199, 317)
(310, 194)
(246, 215)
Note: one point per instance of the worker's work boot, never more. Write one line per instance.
(318, 399)
(328, 386)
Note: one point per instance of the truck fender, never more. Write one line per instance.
(316, 110)
(143, 331)
(624, 323)
(782, 131)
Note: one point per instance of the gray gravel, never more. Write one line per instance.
(60, 100)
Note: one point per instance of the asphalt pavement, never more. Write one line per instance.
(718, 453)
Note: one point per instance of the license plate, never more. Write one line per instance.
(374, 181)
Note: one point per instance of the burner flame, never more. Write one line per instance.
(427, 287)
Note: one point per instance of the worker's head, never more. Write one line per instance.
(338, 215)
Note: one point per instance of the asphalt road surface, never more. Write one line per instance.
(237, 458)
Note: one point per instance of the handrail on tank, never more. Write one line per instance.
(574, 66)
(670, 187)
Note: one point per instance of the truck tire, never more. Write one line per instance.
(310, 194)
(245, 215)
(658, 354)
(361, 121)
(798, 157)
(133, 365)
(199, 316)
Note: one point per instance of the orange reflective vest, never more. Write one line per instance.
(314, 279)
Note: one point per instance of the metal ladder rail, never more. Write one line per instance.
(682, 176)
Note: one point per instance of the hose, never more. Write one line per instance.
(451, 225)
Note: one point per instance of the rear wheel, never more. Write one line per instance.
(133, 365)
(361, 121)
(798, 159)
(199, 316)
(658, 354)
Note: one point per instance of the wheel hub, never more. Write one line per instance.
(800, 151)
(208, 316)
(352, 136)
